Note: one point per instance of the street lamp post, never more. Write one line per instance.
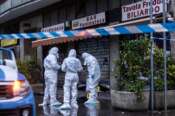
(152, 57)
(165, 56)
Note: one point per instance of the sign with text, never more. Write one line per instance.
(141, 9)
(58, 27)
(5, 43)
(89, 21)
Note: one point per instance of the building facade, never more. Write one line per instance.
(59, 15)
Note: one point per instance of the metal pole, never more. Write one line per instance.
(165, 57)
(152, 57)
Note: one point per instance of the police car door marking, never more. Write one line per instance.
(2, 75)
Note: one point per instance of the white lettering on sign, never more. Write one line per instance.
(58, 27)
(141, 9)
(89, 21)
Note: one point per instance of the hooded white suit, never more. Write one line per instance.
(51, 68)
(71, 65)
(94, 75)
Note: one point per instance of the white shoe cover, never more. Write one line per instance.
(91, 101)
(56, 104)
(65, 106)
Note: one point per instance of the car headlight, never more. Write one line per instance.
(21, 88)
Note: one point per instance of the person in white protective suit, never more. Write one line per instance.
(50, 75)
(71, 65)
(93, 79)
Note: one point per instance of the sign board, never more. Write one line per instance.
(58, 27)
(89, 21)
(141, 9)
(5, 43)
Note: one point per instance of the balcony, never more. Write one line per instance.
(8, 4)
(5, 6)
(10, 9)
(16, 3)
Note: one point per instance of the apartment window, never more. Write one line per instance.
(2, 1)
(80, 8)
(46, 19)
(90, 7)
(102, 5)
(5, 6)
(114, 4)
(70, 12)
(50, 18)
(61, 15)
(125, 2)
(54, 17)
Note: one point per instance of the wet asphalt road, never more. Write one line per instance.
(103, 109)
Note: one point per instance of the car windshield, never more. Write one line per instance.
(5, 55)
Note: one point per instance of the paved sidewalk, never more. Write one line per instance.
(104, 109)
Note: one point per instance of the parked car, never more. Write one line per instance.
(16, 95)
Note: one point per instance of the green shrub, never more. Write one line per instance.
(31, 70)
(135, 62)
(23, 68)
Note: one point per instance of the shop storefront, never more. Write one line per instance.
(139, 12)
(99, 47)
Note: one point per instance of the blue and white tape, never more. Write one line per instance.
(104, 31)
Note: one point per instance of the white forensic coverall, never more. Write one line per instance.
(94, 75)
(71, 65)
(50, 75)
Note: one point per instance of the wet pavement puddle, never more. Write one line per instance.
(104, 108)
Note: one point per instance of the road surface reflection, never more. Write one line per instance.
(104, 108)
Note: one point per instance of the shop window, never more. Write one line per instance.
(102, 5)
(91, 7)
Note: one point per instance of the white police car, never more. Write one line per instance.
(16, 96)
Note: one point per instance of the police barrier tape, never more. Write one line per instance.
(103, 31)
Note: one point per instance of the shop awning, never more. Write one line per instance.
(65, 36)
(51, 41)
